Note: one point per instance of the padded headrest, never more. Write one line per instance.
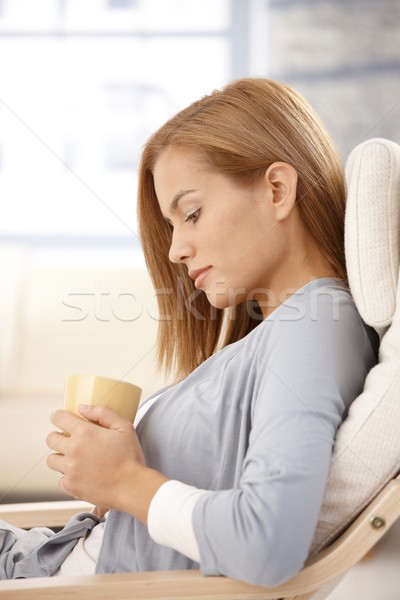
(372, 229)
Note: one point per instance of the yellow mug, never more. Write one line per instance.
(121, 396)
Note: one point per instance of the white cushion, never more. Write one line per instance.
(367, 448)
(372, 231)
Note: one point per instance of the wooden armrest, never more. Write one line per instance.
(323, 568)
(160, 585)
(42, 514)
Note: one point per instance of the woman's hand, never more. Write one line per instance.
(102, 461)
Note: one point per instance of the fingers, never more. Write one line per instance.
(56, 462)
(64, 420)
(57, 441)
(104, 416)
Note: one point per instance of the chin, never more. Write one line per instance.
(225, 300)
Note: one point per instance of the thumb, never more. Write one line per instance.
(104, 416)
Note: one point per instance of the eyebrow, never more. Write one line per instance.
(175, 200)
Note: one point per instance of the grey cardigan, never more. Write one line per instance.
(255, 425)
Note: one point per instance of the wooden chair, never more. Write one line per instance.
(362, 498)
(325, 568)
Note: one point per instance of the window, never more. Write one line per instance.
(82, 85)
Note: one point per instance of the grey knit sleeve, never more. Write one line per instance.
(309, 371)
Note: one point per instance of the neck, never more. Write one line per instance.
(293, 278)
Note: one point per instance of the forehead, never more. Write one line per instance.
(177, 169)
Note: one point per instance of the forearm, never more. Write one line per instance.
(138, 490)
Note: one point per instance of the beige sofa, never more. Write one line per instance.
(63, 313)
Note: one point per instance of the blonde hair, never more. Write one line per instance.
(240, 131)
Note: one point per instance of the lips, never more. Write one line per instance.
(198, 275)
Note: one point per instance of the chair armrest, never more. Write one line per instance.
(42, 514)
(325, 567)
(158, 585)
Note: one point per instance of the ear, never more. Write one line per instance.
(281, 180)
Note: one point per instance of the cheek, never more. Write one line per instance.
(246, 238)
(224, 227)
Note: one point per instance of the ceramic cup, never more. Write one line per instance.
(120, 396)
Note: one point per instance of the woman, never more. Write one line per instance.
(241, 215)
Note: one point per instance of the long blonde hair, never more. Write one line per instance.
(240, 131)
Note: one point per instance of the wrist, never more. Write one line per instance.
(140, 491)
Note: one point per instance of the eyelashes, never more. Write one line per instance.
(193, 218)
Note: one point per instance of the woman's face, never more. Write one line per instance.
(230, 237)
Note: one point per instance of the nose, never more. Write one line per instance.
(180, 249)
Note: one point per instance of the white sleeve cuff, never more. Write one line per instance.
(170, 517)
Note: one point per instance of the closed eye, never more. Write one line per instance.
(193, 217)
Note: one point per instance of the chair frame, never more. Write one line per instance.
(320, 571)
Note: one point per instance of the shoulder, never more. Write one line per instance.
(315, 345)
(318, 330)
(322, 310)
